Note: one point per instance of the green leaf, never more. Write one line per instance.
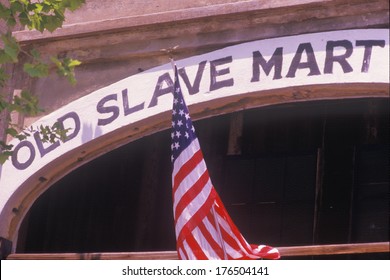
(4, 146)
(25, 104)
(3, 77)
(24, 19)
(5, 13)
(73, 63)
(11, 47)
(66, 67)
(4, 155)
(11, 131)
(72, 4)
(52, 23)
(16, 7)
(38, 70)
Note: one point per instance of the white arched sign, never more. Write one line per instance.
(339, 57)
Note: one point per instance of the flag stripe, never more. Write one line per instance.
(231, 237)
(204, 229)
(192, 193)
(188, 251)
(186, 168)
(186, 183)
(195, 248)
(203, 240)
(193, 221)
(213, 243)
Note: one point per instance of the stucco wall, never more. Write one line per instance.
(118, 44)
(94, 10)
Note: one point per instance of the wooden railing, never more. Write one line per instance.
(295, 251)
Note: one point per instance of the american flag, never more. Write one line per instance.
(204, 229)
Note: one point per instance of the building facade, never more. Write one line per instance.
(291, 105)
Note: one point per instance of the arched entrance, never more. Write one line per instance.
(301, 168)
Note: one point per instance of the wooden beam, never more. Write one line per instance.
(335, 249)
(315, 250)
(235, 133)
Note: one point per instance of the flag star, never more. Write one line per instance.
(174, 112)
(187, 135)
(173, 124)
(181, 112)
(177, 145)
(187, 116)
(172, 147)
(178, 89)
(175, 101)
(179, 123)
(172, 135)
(178, 134)
(193, 129)
(172, 158)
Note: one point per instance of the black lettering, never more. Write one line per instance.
(214, 73)
(368, 44)
(275, 61)
(77, 124)
(194, 88)
(297, 64)
(160, 90)
(341, 59)
(114, 110)
(42, 150)
(14, 158)
(126, 108)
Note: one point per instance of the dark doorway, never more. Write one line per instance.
(305, 173)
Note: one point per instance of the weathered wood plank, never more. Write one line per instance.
(315, 250)
(336, 249)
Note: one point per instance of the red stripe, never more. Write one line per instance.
(183, 250)
(186, 169)
(189, 196)
(197, 218)
(265, 253)
(213, 221)
(228, 239)
(221, 210)
(196, 249)
(207, 235)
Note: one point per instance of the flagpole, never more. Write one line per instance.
(169, 51)
(219, 233)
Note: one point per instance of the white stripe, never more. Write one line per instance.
(204, 244)
(188, 182)
(193, 207)
(232, 252)
(210, 228)
(184, 156)
(248, 250)
(188, 250)
(229, 250)
(181, 254)
(260, 247)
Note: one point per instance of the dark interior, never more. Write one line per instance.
(305, 173)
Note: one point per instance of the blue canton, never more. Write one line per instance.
(183, 132)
